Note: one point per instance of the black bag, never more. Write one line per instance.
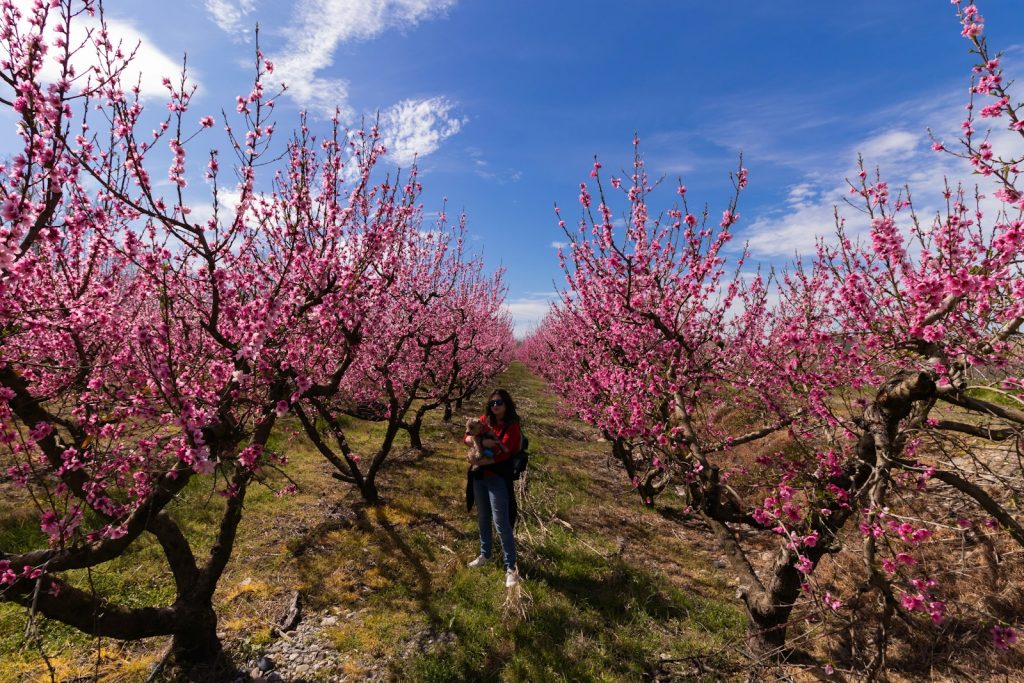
(521, 459)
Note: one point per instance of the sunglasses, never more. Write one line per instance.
(495, 403)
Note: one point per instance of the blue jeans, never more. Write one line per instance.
(491, 494)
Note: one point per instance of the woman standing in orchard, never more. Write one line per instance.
(491, 481)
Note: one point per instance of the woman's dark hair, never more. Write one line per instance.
(511, 416)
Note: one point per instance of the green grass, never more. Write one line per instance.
(613, 588)
(1000, 398)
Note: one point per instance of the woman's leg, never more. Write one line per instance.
(499, 504)
(483, 515)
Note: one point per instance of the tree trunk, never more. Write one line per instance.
(197, 644)
(368, 490)
(447, 417)
(414, 433)
(768, 613)
(415, 429)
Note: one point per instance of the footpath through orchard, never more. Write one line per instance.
(612, 591)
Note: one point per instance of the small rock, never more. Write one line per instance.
(329, 621)
(293, 656)
(255, 673)
(265, 664)
(291, 620)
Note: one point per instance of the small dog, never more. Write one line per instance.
(477, 431)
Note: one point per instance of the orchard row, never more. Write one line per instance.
(848, 427)
(145, 344)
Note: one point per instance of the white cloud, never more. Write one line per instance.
(799, 195)
(559, 245)
(527, 312)
(227, 205)
(148, 67)
(415, 128)
(149, 62)
(903, 156)
(894, 145)
(312, 35)
(319, 27)
(231, 15)
(793, 230)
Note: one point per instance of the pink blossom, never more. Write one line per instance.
(912, 601)
(1003, 637)
(906, 559)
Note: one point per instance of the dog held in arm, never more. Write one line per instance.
(476, 432)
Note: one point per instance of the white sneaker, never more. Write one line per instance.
(480, 561)
(511, 577)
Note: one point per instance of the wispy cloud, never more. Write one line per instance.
(559, 245)
(483, 169)
(319, 27)
(904, 157)
(314, 32)
(416, 128)
(231, 15)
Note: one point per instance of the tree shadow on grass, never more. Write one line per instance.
(392, 541)
(585, 604)
(618, 592)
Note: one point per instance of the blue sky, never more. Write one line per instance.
(507, 101)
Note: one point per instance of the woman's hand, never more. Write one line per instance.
(489, 443)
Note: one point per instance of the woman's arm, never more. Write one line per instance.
(508, 445)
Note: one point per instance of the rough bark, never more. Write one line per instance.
(415, 428)
(195, 641)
